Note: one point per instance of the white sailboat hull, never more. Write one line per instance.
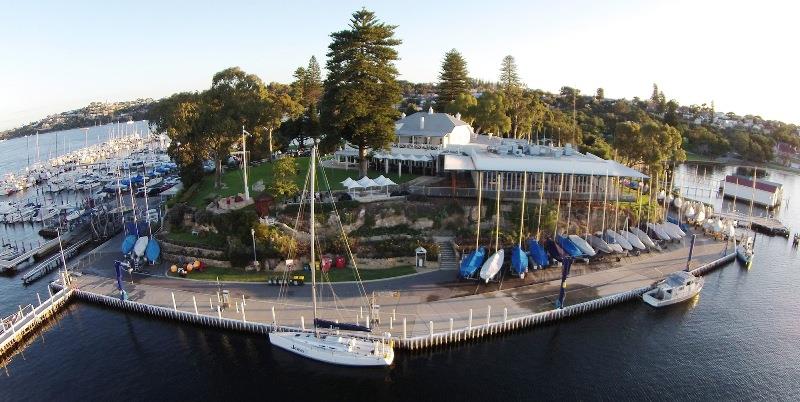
(582, 245)
(492, 265)
(633, 240)
(341, 350)
(644, 238)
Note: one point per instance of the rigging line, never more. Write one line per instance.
(361, 287)
(282, 292)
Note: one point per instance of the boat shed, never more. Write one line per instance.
(761, 192)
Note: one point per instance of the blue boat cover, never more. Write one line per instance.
(128, 243)
(569, 246)
(131, 229)
(519, 260)
(153, 250)
(471, 263)
(537, 253)
(677, 222)
(320, 323)
(554, 250)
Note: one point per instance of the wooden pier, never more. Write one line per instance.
(29, 256)
(53, 262)
(760, 223)
(17, 327)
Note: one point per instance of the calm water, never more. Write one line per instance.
(738, 341)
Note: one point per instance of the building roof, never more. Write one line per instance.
(434, 125)
(761, 184)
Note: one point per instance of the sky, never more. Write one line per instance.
(743, 55)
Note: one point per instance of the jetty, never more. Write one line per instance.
(420, 314)
(15, 328)
(53, 262)
(764, 224)
(27, 258)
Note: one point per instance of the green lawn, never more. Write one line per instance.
(336, 275)
(234, 184)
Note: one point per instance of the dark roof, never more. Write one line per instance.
(763, 185)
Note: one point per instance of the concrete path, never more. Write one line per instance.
(434, 296)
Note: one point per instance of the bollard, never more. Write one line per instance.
(243, 302)
(194, 301)
(431, 326)
(218, 299)
(404, 327)
(505, 314)
(274, 321)
(244, 318)
(39, 298)
(219, 312)
(367, 321)
(303, 323)
(50, 292)
(237, 306)
(360, 311)
(488, 315)
(391, 322)
(174, 306)
(451, 325)
(469, 325)
(394, 317)
(210, 305)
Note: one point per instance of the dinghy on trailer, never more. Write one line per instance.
(583, 245)
(616, 238)
(128, 243)
(153, 250)
(492, 265)
(140, 246)
(471, 263)
(644, 238)
(633, 240)
(658, 231)
(568, 246)
(537, 253)
(519, 261)
(600, 244)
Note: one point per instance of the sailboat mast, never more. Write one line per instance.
(753, 197)
(312, 259)
(589, 209)
(558, 205)
(522, 209)
(541, 200)
(616, 204)
(497, 224)
(571, 192)
(480, 196)
(605, 204)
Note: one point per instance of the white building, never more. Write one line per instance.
(762, 192)
(440, 144)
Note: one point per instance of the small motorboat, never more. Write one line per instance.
(675, 288)
(745, 252)
(492, 265)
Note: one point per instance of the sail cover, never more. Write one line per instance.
(320, 323)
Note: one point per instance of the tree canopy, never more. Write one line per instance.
(361, 88)
(453, 79)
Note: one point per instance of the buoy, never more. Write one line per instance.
(173, 268)
(189, 267)
(196, 263)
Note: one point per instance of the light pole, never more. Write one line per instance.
(244, 163)
(253, 234)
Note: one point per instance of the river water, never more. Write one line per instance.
(737, 341)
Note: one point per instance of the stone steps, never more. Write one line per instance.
(447, 256)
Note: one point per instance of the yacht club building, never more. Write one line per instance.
(439, 144)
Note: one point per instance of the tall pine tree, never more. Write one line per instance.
(361, 88)
(453, 80)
